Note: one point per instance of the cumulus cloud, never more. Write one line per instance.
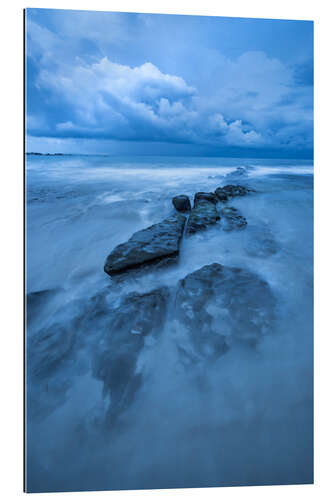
(252, 100)
(108, 99)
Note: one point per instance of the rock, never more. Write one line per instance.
(199, 197)
(221, 305)
(235, 190)
(48, 347)
(36, 302)
(54, 340)
(240, 172)
(151, 245)
(230, 191)
(221, 194)
(232, 219)
(116, 354)
(204, 213)
(142, 314)
(182, 203)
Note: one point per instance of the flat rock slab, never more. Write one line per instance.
(232, 219)
(204, 213)
(181, 203)
(153, 244)
(220, 305)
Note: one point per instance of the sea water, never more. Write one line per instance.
(245, 419)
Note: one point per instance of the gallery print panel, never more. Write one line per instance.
(168, 251)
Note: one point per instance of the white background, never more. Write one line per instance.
(11, 234)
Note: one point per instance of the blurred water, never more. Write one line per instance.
(244, 419)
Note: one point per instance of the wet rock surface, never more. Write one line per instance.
(230, 191)
(221, 194)
(232, 219)
(181, 203)
(158, 245)
(221, 305)
(216, 305)
(115, 358)
(204, 197)
(157, 242)
(204, 213)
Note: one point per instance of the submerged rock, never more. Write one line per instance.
(141, 314)
(36, 302)
(116, 354)
(261, 242)
(54, 340)
(153, 244)
(230, 191)
(232, 219)
(220, 305)
(240, 172)
(48, 347)
(181, 203)
(204, 213)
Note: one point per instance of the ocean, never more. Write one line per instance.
(245, 418)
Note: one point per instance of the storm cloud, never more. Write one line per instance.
(85, 81)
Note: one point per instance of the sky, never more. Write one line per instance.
(150, 84)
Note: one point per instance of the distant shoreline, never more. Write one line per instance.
(46, 154)
(63, 154)
(293, 158)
